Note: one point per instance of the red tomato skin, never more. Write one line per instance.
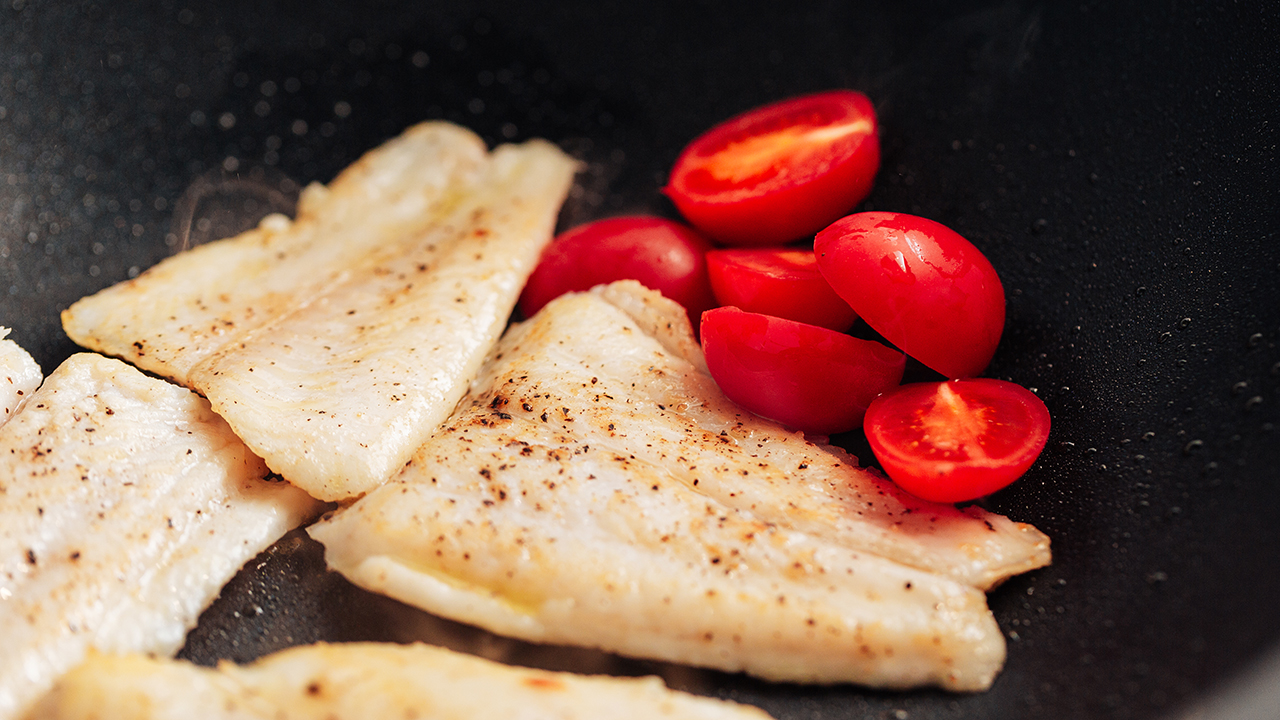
(661, 254)
(806, 377)
(782, 282)
(958, 444)
(792, 201)
(918, 283)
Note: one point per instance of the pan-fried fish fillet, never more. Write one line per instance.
(363, 680)
(125, 505)
(334, 344)
(19, 376)
(595, 488)
(672, 412)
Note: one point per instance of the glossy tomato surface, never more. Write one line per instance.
(803, 376)
(956, 440)
(918, 283)
(661, 254)
(779, 172)
(783, 282)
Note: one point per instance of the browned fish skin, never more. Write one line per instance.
(595, 488)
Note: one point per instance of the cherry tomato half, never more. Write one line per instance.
(920, 285)
(956, 440)
(783, 282)
(779, 172)
(806, 377)
(663, 255)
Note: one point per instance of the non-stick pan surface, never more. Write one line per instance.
(1117, 162)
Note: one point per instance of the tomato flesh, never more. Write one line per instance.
(783, 282)
(761, 156)
(956, 440)
(918, 283)
(664, 255)
(806, 377)
(779, 172)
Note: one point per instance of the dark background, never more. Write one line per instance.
(1115, 161)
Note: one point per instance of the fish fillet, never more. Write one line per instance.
(335, 343)
(596, 489)
(363, 680)
(125, 505)
(19, 376)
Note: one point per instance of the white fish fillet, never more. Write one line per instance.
(676, 411)
(596, 489)
(334, 344)
(19, 376)
(125, 505)
(364, 680)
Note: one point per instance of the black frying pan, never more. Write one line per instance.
(1116, 164)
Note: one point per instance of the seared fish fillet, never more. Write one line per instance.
(595, 488)
(125, 506)
(19, 376)
(363, 680)
(334, 344)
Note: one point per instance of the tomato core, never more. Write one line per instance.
(779, 172)
(951, 427)
(777, 152)
(956, 440)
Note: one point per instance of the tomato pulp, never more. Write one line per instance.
(956, 440)
(918, 283)
(661, 254)
(783, 282)
(779, 172)
(806, 377)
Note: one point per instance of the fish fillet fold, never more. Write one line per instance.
(595, 488)
(19, 376)
(335, 343)
(125, 505)
(364, 680)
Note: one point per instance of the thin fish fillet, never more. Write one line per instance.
(596, 489)
(675, 415)
(335, 343)
(364, 680)
(125, 506)
(19, 376)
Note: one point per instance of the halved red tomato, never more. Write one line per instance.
(956, 440)
(779, 172)
(918, 283)
(661, 254)
(783, 282)
(804, 376)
